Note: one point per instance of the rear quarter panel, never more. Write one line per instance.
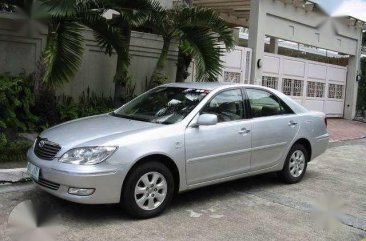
(313, 128)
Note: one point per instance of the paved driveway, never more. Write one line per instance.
(341, 129)
(257, 208)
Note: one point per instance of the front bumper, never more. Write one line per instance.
(56, 178)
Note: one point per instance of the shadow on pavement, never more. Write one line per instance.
(95, 214)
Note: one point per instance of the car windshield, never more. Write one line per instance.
(162, 105)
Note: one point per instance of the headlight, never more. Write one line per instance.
(88, 155)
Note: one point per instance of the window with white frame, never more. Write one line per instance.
(271, 82)
(315, 89)
(335, 91)
(292, 87)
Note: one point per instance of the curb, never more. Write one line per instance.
(349, 139)
(15, 175)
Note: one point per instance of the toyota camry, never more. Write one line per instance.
(174, 138)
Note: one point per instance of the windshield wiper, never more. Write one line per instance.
(129, 117)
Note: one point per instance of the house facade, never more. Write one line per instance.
(317, 85)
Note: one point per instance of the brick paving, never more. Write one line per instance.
(341, 130)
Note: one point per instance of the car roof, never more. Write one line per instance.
(202, 85)
(211, 86)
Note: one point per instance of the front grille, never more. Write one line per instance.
(48, 184)
(45, 149)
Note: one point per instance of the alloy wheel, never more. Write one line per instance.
(297, 163)
(151, 191)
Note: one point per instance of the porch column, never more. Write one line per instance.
(256, 39)
(352, 85)
(273, 45)
(236, 33)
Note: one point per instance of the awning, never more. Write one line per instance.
(234, 12)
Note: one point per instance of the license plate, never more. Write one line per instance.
(33, 171)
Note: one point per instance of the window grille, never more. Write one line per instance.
(335, 91)
(271, 82)
(315, 89)
(292, 87)
(232, 77)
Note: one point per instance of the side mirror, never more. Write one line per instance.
(207, 120)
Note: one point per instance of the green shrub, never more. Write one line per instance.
(25, 107)
(45, 107)
(16, 99)
(14, 151)
(88, 104)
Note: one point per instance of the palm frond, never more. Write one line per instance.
(206, 19)
(161, 20)
(63, 53)
(132, 12)
(70, 8)
(109, 38)
(206, 51)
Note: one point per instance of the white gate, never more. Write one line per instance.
(236, 66)
(317, 86)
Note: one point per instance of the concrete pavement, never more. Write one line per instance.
(257, 208)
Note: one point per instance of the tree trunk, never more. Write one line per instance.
(182, 67)
(159, 76)
(122, 73)
(119, 79)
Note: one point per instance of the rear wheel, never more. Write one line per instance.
(148, 190)
(296, 163)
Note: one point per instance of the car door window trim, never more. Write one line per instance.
(245, 115)
(279, 100)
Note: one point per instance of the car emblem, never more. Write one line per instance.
(41, 144)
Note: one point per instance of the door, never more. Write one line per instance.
(222, 150)
(274, 126)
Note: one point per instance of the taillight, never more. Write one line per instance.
(326, 121)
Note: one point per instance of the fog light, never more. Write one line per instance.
(81, 191)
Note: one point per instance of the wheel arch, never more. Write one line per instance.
(306, 143)
(163, 159)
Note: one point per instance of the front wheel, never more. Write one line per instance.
(295, 164)
(148, 190)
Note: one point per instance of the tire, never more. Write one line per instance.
(148, 190)
(295, 165)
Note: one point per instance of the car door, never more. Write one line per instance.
(221, 150)
(274, 126)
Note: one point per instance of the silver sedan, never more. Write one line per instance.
(175, 138)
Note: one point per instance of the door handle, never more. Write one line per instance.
(244, 131)
(292, 123)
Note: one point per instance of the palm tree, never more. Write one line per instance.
(199, 32)
(64, 48)
(131, 14)
(66, 20)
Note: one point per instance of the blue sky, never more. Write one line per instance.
(355, 8)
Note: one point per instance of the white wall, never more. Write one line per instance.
(19, 53)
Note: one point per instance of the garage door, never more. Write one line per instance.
(317, 86)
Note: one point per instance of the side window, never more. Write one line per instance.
(263, 103)
(227, 105)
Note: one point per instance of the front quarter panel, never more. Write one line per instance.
(165, 140)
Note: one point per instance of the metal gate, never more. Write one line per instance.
(317, 86)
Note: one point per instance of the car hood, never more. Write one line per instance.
(76, 132)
